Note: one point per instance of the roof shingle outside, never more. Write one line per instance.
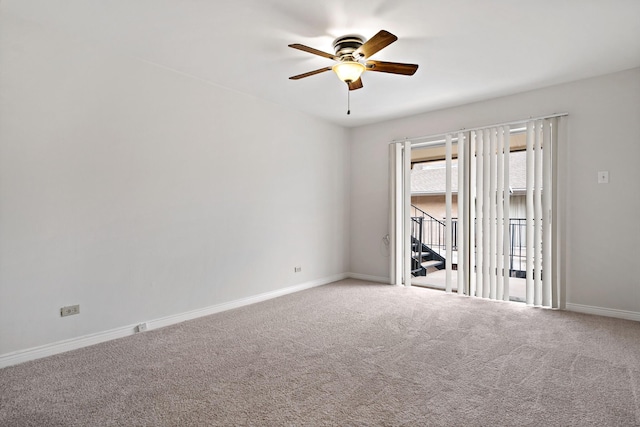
(430, 177)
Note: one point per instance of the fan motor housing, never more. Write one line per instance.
(346, 45)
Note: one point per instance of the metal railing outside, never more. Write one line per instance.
(416, 244)
(431, 231)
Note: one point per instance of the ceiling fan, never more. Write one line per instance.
(352, 55)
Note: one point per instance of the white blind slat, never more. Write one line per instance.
(507, 214)
(530, 214)
(479, 213)
(486, 214)
(493, 162)
(558, 136)
(397, 222)
(447, 239)
(472, 212)
(537, 203)
(546, 213)
(461, 244)
(406, 210)
(500, 215)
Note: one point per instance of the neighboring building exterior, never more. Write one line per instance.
(428, 186)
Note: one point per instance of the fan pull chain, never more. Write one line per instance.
(348, 100)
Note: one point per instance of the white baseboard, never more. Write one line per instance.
(194, 314)
(368, 278)
(600, 311)
(33, 353)
(21, 356)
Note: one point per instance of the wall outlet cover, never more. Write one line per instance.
(70, 310)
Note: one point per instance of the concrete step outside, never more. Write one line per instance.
(433, 263)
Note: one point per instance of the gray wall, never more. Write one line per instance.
(602, 231)
(140, 193)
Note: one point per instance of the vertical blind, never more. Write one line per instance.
(490, 207)
(491, 231)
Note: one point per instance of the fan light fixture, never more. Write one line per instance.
(352, 55)
(348, 71)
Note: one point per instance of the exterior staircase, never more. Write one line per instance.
(423, 258)
(426, 233)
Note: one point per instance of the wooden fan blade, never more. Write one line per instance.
(314, 51)
(310, 73)
(355, 85)
(392, 67)
(375, 44)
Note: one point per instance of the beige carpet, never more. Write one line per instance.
(349, 353)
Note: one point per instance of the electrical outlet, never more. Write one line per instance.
(297, 269)
(141, 327)
(70, 310)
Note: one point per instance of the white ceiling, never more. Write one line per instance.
(467, 50)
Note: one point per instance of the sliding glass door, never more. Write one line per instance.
(473, 212)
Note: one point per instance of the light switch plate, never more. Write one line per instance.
(603, 177)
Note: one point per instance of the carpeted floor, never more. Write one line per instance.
(349, 353)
